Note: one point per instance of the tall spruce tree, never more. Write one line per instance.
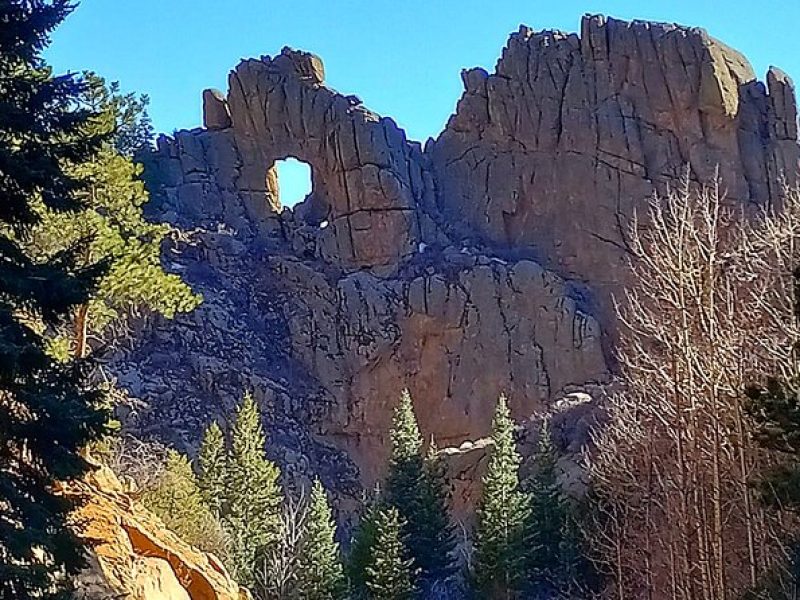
(321, 574)
(436, 549)
(361, 546)
(388, 572)
(499, 557)
(46, 413)
(547, 517)
(254, 493)
(556, 562)
(417, 489)
(213, 458)
(776, 409)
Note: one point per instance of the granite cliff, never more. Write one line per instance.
(482, 262)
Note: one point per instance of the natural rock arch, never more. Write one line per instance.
(362, 163)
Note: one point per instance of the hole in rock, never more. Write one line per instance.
(294, 181)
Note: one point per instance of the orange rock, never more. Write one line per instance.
(132, 553)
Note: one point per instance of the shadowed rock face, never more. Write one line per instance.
(482, 264)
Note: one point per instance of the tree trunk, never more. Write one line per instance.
(81, 329)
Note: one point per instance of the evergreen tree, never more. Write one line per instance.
(388, 572)
(499, 553)
(132, 128)
(776, 409)
(213, 459)
(547, 519)
(254, 494)
(320, 570)
(177, 500)
(46, 413)
(112, 220)
(361, 547)
(417, 489)
(437, 533)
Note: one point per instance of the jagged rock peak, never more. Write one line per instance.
(557, 147)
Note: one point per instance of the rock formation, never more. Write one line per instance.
(132, 555)
(482, 263)
(557, 148)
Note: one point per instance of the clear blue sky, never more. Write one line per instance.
(402, 57)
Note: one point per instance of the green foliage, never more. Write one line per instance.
(177, 500)
(254, 494)
(548, 514)
(435, 541)
(405, 436)
(321, 574)
(553, 541)
(213, 466)
(776, 410)
(499, 557)
(125, 115)
(782, 582)
(113, 225)
(388, 572)
(417, 488)
(240, 486)
(46, 414)
(361, 548)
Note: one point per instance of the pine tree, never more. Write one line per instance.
(46, 413)
(361, 547)
(177, 500)
(776, 410)
(320, 570)
(255, 497)
(437, 534)
(213, 459)
(416, 488)
(388, 572)
(112, 220)
(127, 113)
(547, 518)
(557, 564)
(499, 553)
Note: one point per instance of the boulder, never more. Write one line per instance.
(215, 110)
(132, 554)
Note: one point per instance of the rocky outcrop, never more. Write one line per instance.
(483, 263)
(557, 148)
(132, 555)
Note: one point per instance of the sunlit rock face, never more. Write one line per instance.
(131, 554)
(483, 263)
(557, 148)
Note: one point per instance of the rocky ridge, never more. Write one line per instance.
(483, 262)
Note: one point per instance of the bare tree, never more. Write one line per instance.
(708, 312)
(276, 574)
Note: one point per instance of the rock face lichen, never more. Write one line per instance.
(483, 263)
